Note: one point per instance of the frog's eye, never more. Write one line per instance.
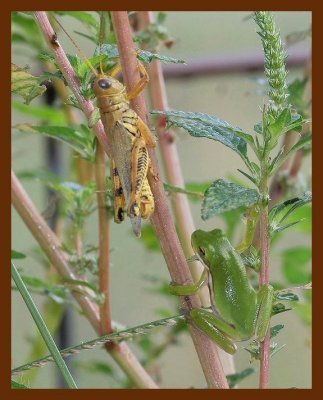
(201, 251)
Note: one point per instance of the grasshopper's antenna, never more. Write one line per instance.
(101, 38)
(83, 56)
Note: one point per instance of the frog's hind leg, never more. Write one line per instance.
(265, 301)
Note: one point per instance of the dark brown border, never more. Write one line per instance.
(201, 5)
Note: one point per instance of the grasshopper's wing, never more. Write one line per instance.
(121, 142)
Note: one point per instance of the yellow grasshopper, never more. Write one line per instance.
(129, 138)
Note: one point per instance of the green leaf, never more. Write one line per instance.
(223, 196)
(28, 30)
(82, 16)
(50, 114)
(194, 194)
(17, 255)
(96, 367)
(296, 94)
(204, 125)
(41, 174)
(110, 50)
(16, 385)
(80, 140)
(50, 343)
(285, 122)
(296, 265)
(274, 330)
(234, 379)
(279, 308)
(287, 296)
(147, 57)
(303, 142)
(288, 209)
(25, 84)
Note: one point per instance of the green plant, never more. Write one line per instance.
(84, 268)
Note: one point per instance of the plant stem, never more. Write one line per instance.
(161, 220)
(104, 241)
(53, 249)
(173, 171)
(264, 271)
(69, 75)
(50, 343)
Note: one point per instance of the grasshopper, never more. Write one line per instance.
(130, 137)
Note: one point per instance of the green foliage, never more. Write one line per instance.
(204, 125)
(235, 379)
(80, 138)
(49, 114)
(156, 33)
(254, 346)
(17, 255)
(286, 211)
(25, 84)
(25, 31)
(17, 385)
(224, 196)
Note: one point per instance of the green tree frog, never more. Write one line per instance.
(239, 311)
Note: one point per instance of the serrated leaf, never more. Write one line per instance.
(17, 255)
(208, 126)
(25, 84)
(110, 50)
(223, 196)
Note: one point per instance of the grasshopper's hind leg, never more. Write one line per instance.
(139, 168)
(118, 195)
(147, 203)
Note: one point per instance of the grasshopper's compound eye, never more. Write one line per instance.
(104, 83)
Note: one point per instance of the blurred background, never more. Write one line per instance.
(207, 41)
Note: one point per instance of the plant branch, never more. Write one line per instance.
(53, 249)
(173, 171)
(69, 74)
(104, 242)
(161, 220)
(121, 353)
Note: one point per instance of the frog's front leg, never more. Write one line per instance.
(188, 290)
(265, 299)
